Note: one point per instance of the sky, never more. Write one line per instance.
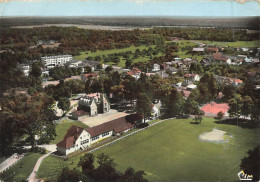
(128, 8)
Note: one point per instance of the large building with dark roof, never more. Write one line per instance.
(78, 138)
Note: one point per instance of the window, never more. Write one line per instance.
(84, 141)
(105, 134)
(95, 138)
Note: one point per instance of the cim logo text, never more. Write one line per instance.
(243, 176)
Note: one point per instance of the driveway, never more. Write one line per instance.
(102, 118)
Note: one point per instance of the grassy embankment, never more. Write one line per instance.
(22, 169)
(171, 151)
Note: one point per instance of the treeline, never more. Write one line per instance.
(105, 171)
(211, 34)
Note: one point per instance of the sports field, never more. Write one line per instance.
(172, 151)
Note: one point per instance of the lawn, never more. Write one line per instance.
(171, 151)
(183, 54)
(22, 169)
(83, 55)
(255, 43)
(62, 128)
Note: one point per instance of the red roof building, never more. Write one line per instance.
(212, 109)
(71, 136)
(133, 72)
(117, 126)
(78, 138)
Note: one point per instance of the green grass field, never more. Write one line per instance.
(22, 169)
(171, 151)
(84, 55)
(183, 54)
(255, 43)
(62, 128)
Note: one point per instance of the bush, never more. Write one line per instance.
(37, 150)
(220, 115)
(142, 125)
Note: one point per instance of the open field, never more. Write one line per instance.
(183, 54)
(110, 51)
(172, 151)
(62, 128)
(84, 55)
(22, 169)
(255, 43)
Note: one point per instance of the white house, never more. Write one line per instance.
(155, 112)
(52, 61)
(192, 77)
(78, 138)
(198, 49)
(156, 67)
(135, 72)
(25, 68)
(191, 87)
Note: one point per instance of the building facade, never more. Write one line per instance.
(78, 138)
(52, 61)
(94, 103)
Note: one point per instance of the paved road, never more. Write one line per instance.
(10, 161)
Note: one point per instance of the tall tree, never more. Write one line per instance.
(235, 106)
(64, 104)
(87, 164)
(25, 114)
(143, 104)
(246, 109)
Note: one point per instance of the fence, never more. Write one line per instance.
(114, 141)
(19, 158)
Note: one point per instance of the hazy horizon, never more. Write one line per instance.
(116, 8)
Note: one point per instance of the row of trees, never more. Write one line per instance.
(104, 172)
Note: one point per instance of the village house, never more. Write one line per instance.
(135, 72)
(156, 67)
(198, 49)
(92, 104)
(185, 93)
(78, 138)
(212, 50)
(85, 77)
(25, 68)
(52, 61)
(92, 64)
(155, 110)
(222, 80)
(192, 77)
(220, 58)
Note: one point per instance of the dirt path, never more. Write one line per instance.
(32, 177)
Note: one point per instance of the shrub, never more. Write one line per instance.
(37, 150)
(220, 115)
(142, 125)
